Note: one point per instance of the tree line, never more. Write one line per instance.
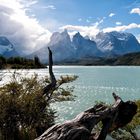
(20, 62)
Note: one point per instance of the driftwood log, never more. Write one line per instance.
(81, 127)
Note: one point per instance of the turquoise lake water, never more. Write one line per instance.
(95, 83)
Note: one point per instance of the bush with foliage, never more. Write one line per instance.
(25, 112)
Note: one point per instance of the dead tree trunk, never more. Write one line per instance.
(48, 90)
(80, 128)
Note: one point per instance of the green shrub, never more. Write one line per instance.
(24, 111)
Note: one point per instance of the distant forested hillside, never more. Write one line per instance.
(20, 63)
(127, 59)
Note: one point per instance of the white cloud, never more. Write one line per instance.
(94, 29)
(122, 28)
(118, 23)
(87, 20)
(91, 31)
(22, 30)
(111, 14)
(52, 7)
(135, 11)
(80, 19)
(28, 3)
(52, 24)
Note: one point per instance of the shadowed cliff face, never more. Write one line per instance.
(61, 46)
(85, 47)
(6, 47)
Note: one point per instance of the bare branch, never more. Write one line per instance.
(81, 127)
(52, 77)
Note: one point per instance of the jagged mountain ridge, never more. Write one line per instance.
(65, 48)
(117, 43)
(60, 44)
(6, 47)
(110, 44)
(84, 47)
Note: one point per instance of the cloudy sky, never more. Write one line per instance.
(30, 23)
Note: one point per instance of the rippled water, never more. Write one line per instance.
(95, 83)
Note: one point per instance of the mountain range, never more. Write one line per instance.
(67, 48)
(111, 44)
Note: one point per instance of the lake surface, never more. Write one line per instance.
(95, 83)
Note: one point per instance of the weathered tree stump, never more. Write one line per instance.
(80, 128)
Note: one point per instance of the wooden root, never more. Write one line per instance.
(80, 128)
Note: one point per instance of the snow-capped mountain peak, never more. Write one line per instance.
(6, 47)
(118, 43)
(59, 37)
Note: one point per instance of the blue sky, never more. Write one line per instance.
(86, 12)
(33, 21)
(54, 14)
